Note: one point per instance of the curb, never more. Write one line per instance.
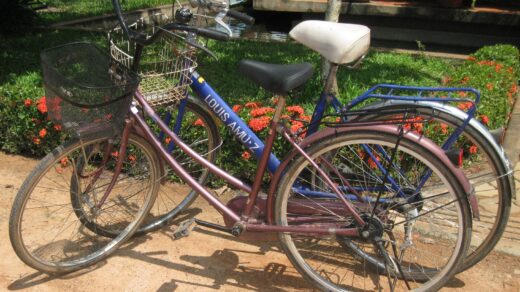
(512, 135)
(109, 21)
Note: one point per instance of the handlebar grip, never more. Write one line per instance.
(213, 34)
(241, 16)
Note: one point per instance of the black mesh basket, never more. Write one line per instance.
(86, 90)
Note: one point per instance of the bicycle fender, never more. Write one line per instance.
(474, 123)
(392, 130)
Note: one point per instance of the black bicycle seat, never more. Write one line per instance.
(279, 79)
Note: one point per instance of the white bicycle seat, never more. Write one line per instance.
(339, 43)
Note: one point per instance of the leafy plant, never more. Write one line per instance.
(494, 71)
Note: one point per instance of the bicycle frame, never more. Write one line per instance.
(244, 222)
(240, 222)
(249, 139)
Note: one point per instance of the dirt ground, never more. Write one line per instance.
(206, 260)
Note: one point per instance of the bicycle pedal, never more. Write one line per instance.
(184, 229)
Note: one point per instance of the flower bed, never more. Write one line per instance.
(26, 129)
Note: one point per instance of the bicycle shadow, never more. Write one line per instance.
(228, 272)
(38, 278)
(223, 267)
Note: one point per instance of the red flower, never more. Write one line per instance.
(462, 94)
(465, 105)
(308, 118)
(262, 111)
(444, 128)
(42, 105)
(296, 125)
(258, 124)
(57, 127)
(64, 161)
(487, 63)
(514, 88)
(167, 140)
(237, 108)
(473, 149)
(372, 163)
(489, 86)
(36, 140)
(471, 58)
(465, 80)
(132, 158)
(418, 127)
(498, 67)
(115, 153)
(246, 155)
(510, 70)
(198, 122)
(295, 109)
(484, 119)
(28, 102)
(253, 104)
(42, 133)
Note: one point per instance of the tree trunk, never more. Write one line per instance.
(332, 14)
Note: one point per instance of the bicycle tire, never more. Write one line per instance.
(69, 246)
(314, 268)
(484, 238)
(204, 137)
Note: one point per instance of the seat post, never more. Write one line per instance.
(262, 164)
(331, 79)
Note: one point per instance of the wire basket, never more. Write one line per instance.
(166, 65)
(86, 90)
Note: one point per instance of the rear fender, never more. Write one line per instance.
(393, 130)
(482, 130)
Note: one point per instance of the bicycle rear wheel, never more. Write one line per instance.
(59, 225)
(483, 168)
(424, 234)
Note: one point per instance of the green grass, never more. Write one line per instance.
(20, 71)
(63, 10)
(378, 67)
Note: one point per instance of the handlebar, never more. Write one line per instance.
(241, 16)
(209, 33)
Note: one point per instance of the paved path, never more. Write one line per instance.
(510, 242)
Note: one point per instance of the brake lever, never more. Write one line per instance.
(190, 42)
(203, 48)
(220, 21)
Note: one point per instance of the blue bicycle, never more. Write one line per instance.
(194, 118)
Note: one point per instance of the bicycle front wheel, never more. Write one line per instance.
(58, 222)
(419, 234)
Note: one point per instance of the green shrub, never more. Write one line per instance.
(507, 55)
(494, 72)
(25, 126)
